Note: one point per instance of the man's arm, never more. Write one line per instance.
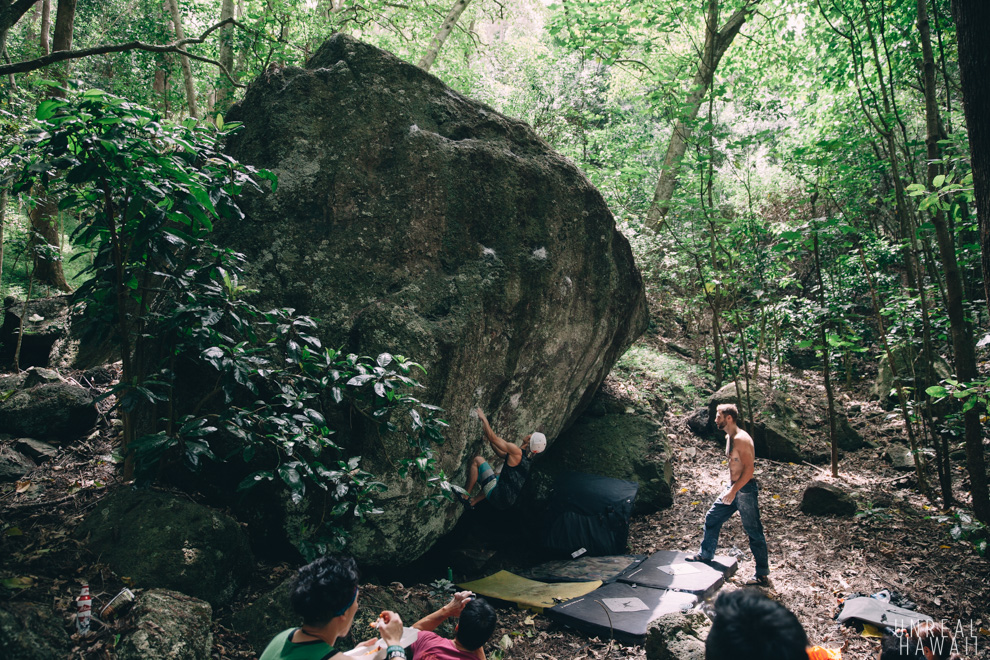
(451, 609)
(507, 450)
(747, 458)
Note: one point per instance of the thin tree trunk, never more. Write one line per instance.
(962, 335)
(823, 338)
(47, 261)
(225, 91)
(187, 75)
(440, 38)
(46, 27)
(3, 222)
(65, 18)
(717, 41)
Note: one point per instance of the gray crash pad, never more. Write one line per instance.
(620, 610)
(878, 613)
(668, 569)
(584, 568)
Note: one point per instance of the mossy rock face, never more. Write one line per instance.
(168, 626)
(55, 411)
(411, 219)
(678, 636)
(160, 540)
(628, 447)
(29, 631)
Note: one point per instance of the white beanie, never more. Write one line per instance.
(537, 442)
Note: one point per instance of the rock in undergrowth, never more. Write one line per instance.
(29, 631)
(628, 447)
(160, 540)
(40, 405)
(784, 431)
(910, 368)
(822, 499)
(678, 636)
(900, 457)
(168, 626)
(13, 464)
(411, 219)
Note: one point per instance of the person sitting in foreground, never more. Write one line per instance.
(750, 626)
(927, 640)
(502, 489)
(325, 596)
(475, 626)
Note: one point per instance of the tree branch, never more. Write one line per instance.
(175, 47)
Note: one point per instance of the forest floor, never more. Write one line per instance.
(898, 541)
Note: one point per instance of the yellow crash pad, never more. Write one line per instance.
(528, 594)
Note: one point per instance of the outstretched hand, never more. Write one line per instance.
(391, 628)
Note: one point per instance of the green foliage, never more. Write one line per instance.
(147, 193)
(963, 527)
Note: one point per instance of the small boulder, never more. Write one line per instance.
(168, 626)
(183, 545)
(56, 411)
(35, 449)
(900, 457)
(29, 631)
(700, 424)
(13, 464)
(910, 369)
(628, 447)
(45, 323)
(822, 499)
(678, 636)
(268, 615)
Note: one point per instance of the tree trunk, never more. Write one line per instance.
(441, 36)
(65, 19)
(225, 90)
(46, 26)
(962, 335)
(972, 18)
(716, 43)
(11, 11)
(187, 75)
(47, 261)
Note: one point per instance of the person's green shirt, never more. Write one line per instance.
(283, 648)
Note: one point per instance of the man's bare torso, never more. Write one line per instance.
(732, 453)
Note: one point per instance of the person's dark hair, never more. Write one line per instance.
(324, 589)
(900, 647)
(750, 626)
(476, 624)
(729, 410)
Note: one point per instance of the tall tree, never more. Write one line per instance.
(225, 89)
(46, 26)
(441, 36)
(962, 335)
(972, 18)
(717, 41)
(187, 75)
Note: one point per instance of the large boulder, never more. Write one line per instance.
(160, 540)
(40, 404)
(55, 334)
(824, 499)
(628, 447)
(29, 631)
(783, 431)
(412, 219)
(909, 364)
(168, 625)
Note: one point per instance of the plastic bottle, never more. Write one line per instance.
(85, 610)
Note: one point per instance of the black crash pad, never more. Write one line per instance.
(668, 569)
(621, 610)
(584, 568)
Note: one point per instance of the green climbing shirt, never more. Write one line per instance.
(283, 648)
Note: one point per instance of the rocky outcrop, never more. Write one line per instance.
(909, 364)
(823, 499)
(678, 636)
(168, 626)
(41, 405)
(29, 631)
(628, 447)
(13, 464)
(183, 546)
(55, 335)
(409, 218)
(783, 431)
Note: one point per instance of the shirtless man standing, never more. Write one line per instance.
(742, 495)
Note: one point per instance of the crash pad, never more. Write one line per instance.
(878, 613)
(584, 569)
(620, 610)
(668, 569)
(528, 594)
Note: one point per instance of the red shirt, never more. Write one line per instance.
(431, 646)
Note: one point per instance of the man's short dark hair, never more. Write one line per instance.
(324, 589)
(476, 624)
(729, 410)
(750, 626)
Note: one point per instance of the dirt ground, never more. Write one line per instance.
(897, 542)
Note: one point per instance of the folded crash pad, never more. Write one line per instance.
(878, 613)
(584, 569)
(620, 610)
(528, 593)
(668, 569)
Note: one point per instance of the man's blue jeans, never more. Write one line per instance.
(746, 502)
